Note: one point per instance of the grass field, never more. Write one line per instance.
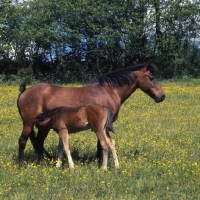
(158, 147)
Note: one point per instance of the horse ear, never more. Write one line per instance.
(147, 67)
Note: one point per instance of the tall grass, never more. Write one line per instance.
(158, 147)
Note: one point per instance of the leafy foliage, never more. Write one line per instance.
(79, 40)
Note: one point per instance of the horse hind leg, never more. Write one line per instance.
(32, 137)
(26, 132)
(60, 152)
(33, 142)
(39, 145)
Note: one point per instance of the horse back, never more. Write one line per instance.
(42, 97)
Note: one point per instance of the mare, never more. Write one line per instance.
(111, 90)
(66, 120)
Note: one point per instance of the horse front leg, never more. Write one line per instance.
(99, 152)
(39, 145)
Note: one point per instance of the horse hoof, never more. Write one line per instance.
(117, 167)
(71, 166)
(104, 168)
(57, 165)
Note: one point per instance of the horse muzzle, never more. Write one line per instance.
(160, 98)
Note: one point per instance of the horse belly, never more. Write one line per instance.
(81, 126)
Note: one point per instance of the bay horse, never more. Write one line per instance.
(111, 90)
(66, 120)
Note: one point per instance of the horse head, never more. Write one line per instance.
(148, 83)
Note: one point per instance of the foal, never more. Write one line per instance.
(66, 120)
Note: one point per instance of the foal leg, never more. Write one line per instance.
(111, 144)
(64, 137)
(60, 152)
(104, 145)
(112, 147)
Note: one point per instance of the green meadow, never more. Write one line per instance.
(158, 147)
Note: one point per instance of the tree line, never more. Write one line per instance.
(67, 40)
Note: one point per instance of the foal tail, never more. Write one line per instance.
(109, 121)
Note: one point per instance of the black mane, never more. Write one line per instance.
(122, 76)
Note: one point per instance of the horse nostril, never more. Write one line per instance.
(160, 98)
(163, 97)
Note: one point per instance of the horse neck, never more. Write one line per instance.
(127, 89)
(123, 92)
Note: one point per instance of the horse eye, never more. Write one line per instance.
(151, 78)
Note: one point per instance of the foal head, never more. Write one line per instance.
(148, 83)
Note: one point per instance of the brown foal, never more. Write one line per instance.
(65, 120)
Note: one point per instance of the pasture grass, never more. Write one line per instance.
(158, 147)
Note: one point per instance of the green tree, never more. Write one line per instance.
(173, 28)
(84, 38)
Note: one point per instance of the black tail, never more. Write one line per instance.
(22, 87)
(109, 121)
